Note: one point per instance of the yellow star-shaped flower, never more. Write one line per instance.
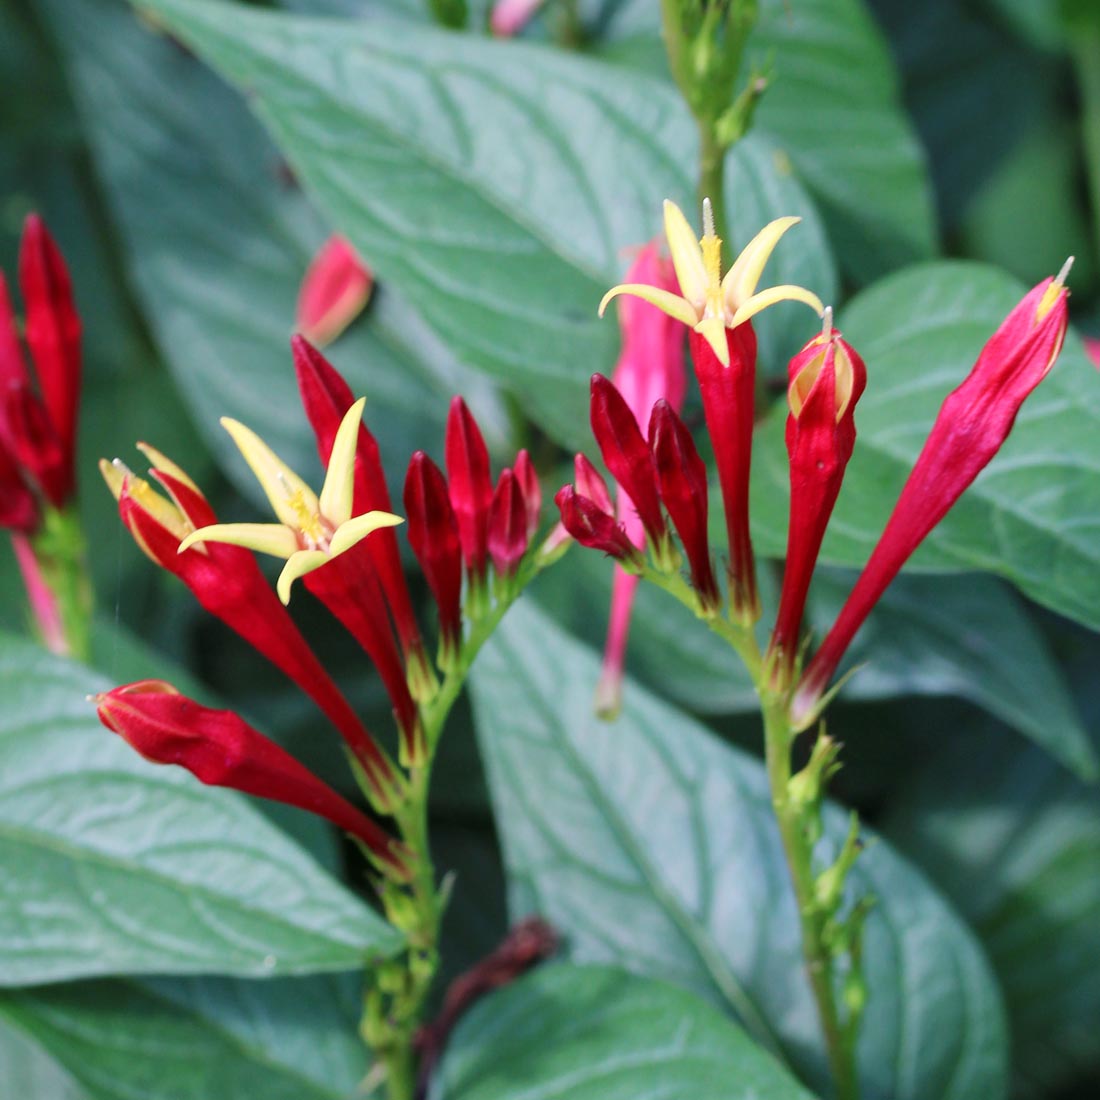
(709, 303)
(312, 530)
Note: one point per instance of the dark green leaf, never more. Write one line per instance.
(114, 865)
(198, 1039)
(496, 185)
(651, 844)
(1032, 517)
(595, 1033)
(218, 237)
(1015, 842)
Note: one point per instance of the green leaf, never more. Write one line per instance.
(1033, 516)
(1015, 842)
(833, 108)
(596, 1033)
(963, 636)
(497, 185)
(217, 238)
(27, 1070)
(114, 865)
(650, 844)
(198, 1039)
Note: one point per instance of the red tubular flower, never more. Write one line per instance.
(220, 749)
(826, 379)
(228, 583)
(972, 424)
(336, 287)
(327, 398)
(433, 535)
(728, 404)
(507, 525)
(471, 485)
(682, 475)
(595, 528)
(589, 483)
(528, 480)
(626, 455)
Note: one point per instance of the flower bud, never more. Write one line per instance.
(507, 525)
(593, 527)
(220, 749)
(336, 287)
(682, 475)
(528, 479)
(972, 424)
(471, 485)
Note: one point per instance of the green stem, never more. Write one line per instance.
(712, 175)
(778, 739)
(1085, 48)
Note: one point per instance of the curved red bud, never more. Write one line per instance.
(336, 287)
(220, 749)
(471, 485)
(591, 526)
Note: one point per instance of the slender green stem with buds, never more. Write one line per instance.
(395, 1000)
(796, 802)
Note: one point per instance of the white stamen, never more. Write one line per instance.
(708, 219)
(827, 322)
(1064, 273)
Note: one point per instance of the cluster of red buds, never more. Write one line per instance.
(342, 544)
(664, 477)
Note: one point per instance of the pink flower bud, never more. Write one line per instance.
(528, 480)
(509, 17)
(972, 424)
(220, 749)
(336, 287)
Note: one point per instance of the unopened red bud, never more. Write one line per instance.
(52, 330)
(682, 476)
(220, 749)
(507, 525)
(434, 538)
(591, 526)
(528, 479)
(35, 444)
(626, 455)
(471, 485)
(336, 287)
(589, 482)
(18, 510)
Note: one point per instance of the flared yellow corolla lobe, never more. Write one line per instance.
(164, 511)
(312, 530)
(708, 302)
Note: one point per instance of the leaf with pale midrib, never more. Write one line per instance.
(596, 1033)
(115, 865)
(650, 844)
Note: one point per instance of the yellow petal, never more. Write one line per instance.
(290, 496)
(159, 508)
(714, 331)
(752, 306)
(340, 477)
(354, 530)
(741, 280)
(305, 561)
(114, 473)
(687, 257)
(267, 538)
(166, 466)
(672, 304)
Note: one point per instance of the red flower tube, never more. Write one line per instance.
(471, 486)
(220, 749)
(227, 582)
(972, 424)
(683, 479)
(326, 398)
(729, 406)
(434, 538)
(826, 379)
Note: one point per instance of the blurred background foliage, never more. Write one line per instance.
(187, 235)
